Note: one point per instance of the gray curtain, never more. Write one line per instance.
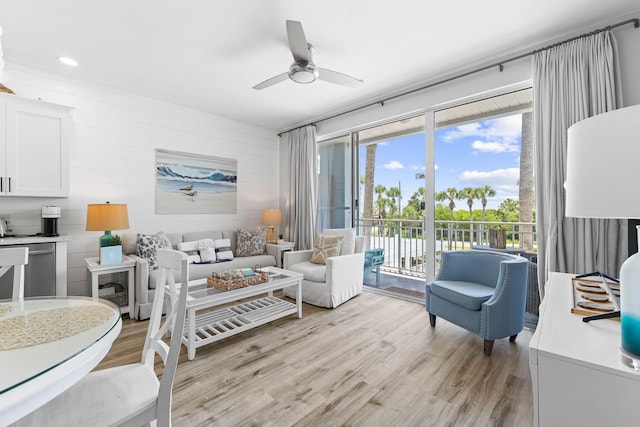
(302, 199)
(571, 82)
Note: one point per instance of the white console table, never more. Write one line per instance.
(577, 375)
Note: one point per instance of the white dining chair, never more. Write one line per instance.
(129, 395)
(15, 258)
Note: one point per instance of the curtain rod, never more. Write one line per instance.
(500, 65)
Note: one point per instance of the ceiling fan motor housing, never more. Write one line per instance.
(303, 73)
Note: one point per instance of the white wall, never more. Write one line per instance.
(113, 158)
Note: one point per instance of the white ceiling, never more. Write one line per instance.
(208, 54)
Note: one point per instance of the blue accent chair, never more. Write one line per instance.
(481, 291)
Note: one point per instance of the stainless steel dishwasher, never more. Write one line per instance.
(39, 273)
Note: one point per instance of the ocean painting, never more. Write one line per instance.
(193, 183)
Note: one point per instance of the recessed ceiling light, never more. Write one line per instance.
(68, 61)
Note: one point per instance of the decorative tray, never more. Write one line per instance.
(593, 296)
(227, 285)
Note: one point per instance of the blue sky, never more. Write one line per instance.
(471, 155)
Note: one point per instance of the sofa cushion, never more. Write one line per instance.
(194, 236)
(148, 245)
(469, 295)
(348, 245)
(325, 247)
(311, 271)
(223, 250)
(249, 243)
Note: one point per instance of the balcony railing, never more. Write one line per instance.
(403, 243)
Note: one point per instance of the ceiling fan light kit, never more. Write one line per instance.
(303, 75)
(303, 70)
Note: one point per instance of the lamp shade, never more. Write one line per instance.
(107, 216)
(603, 165)
(271, 217)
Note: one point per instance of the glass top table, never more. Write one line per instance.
(47, 344)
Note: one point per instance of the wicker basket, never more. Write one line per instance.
(120, 297)
(228, 285)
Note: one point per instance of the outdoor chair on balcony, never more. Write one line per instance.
(481, 291)
(329, 278)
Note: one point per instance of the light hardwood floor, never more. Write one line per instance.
(373, 361)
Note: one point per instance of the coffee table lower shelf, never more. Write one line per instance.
(216, 325)
(210, 319)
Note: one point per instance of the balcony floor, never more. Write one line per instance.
(396, 284)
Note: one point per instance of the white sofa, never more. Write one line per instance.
(146, 280)
(334, 283)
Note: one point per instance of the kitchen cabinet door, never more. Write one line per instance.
(37, 149)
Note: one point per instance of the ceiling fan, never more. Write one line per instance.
(303, 70)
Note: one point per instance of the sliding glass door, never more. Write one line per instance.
(441, 180)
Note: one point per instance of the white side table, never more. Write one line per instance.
(95, 270)
(278, 250)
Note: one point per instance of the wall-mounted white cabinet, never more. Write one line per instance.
(34, 148)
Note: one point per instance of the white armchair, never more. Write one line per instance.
(334, 283)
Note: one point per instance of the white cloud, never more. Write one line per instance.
(383, 143)
(417, 168)
(393, 164)
(494, 146)
(503, 178)
(495, 135)
(435, 167)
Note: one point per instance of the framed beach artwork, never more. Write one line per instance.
(194, 183)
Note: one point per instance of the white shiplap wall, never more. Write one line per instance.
(112, 152)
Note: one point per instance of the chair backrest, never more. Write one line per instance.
(473, 266)
(168, 261)
(15, 258)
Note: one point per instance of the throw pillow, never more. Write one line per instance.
(223, 250)
(207, 250)
(348, 245)
(325, 247)
(250, 244)
(147, 246)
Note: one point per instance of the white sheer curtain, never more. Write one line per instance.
(302, 200)
(571, 82)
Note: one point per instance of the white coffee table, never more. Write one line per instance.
(204, 328)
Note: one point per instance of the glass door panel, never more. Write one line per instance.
(334, 183)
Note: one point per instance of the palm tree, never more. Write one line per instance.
(483, 193)
(451, 194)
(470, 194)
(526, 187)
(368, 179)
(380, 201)
(393, 194)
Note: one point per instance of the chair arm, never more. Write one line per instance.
(142, 279)
(503, 314)
(345, 269)
(296, 257)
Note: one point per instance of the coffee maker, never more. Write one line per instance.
(50, 215)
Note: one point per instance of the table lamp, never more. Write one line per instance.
(107, 217)
(271, 217)
(603, 154)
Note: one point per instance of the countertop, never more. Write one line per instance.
(25, 240)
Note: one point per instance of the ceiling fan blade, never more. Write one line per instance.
(338, 78)
(297, 41)
(272, 81)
